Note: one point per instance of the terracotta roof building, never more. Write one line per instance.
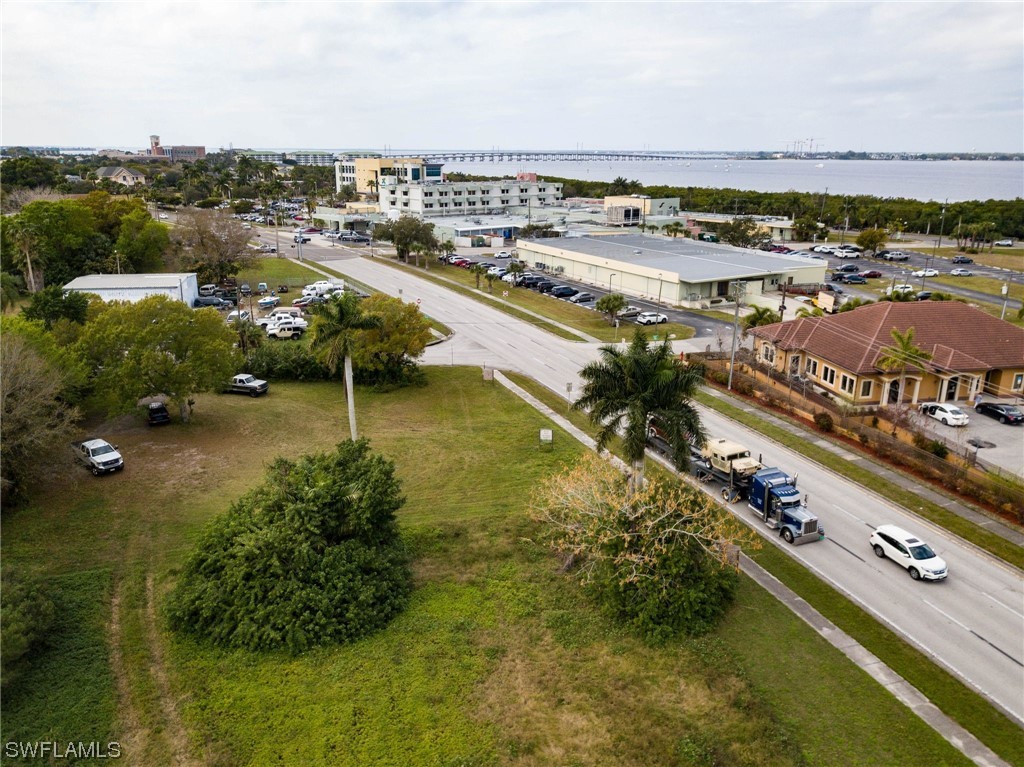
(970, 351)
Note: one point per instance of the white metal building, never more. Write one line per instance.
(680, 271)
(182, 287)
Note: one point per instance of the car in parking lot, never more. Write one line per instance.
(908, 551)
(458, 261)
(963, 260)
(629, 311)
(855, 279)
(286, 329)
(899, 289)
(583, 298)
(543, 286)
(236, 315)
(823, 249)
(948, 413)
(503, 254)
(961, 273)
(1002, 412)
(896, 255)
(563, 291)
(848, 268)
(309, 301)
(923, 295)
(301, 239)
(925, 273)
(650, 318)
(870, 273)
(845, 254)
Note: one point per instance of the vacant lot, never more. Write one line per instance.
(498, 660)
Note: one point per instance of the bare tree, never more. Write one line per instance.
(212, 244)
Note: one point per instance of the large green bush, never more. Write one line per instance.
(286, 362)
(25, 616)
(312, 556)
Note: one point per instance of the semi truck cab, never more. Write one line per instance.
(775, 498)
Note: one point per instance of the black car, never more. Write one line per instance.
(203, 301)
(158, 415)
(583, 298)
(543, 286)
(848, 268)
(529, 282)
(837, 277)
(563, 291)
(923, 295)
(963, 260)
(1002, 413)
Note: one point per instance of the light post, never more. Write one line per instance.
(1005, 290)
(660, 285)
(942, 225)
(610, 276)
(924, 272)
(740, 288)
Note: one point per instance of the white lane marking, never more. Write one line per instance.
(851, 516)
(1005, 607)
(947, 615)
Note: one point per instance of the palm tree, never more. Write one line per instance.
(761, 315)
(626, 388)
(477, 271)
(805, 311)
(24, 236)
(334, 336)
(10, 289)
(856, 301)
(674, 229)
(903, 354)
(245, 169)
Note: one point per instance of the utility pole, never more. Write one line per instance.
(942, 225)
(739, 288)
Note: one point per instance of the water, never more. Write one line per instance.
(916, 180)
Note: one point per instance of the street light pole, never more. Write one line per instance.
(942, 225)
(1005, 290)
(660, 285)
(610, 281)
(740, 289)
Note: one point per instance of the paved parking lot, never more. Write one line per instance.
(1008, 453)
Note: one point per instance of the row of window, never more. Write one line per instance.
(458, 192)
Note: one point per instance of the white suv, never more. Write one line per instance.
(909, 551)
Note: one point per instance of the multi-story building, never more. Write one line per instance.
(459, 198)
(367, 174)
(180, 153)
(262, 156)
(323, 159)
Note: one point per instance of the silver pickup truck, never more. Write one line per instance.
(98, 455)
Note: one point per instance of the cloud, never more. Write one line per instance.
(530, 75)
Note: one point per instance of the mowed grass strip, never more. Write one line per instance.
(584, 320)
(499, 659)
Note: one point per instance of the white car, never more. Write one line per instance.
(846, 254)
(925, 273)
(279, 319)
(503, 254)
(962, 273)
(997, 243)
(497, 271)
(904, 288)
(948, 414)
(823, 248)
(650, 318)
(909, 551)
(236, 315)
(164, 217)
(318, 288)
(286, 329)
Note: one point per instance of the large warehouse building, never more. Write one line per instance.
(679, 271)
(135, 287)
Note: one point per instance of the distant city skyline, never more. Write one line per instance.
(872, 77)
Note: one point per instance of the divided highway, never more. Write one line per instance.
(972, 623)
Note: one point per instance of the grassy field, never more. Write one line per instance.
(584, 320)
(1005, 258)
(498, 660)
(949, 693)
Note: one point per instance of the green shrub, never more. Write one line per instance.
(26, 614)
(310, 557)
(824, 422)
(286, 362)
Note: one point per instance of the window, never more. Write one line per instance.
(828, 375)
(812, 368)
(865, 388)
(768, 353)
(847, 384)
(1018, 381)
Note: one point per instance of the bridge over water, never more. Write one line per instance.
(560, 155)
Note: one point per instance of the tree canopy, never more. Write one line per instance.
(405, 233)
(212, 244)
(310, 557)
(386, 354)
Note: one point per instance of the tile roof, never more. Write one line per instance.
(959, 337)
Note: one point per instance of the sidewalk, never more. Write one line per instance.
(904, 692)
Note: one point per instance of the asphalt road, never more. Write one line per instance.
(972, 623)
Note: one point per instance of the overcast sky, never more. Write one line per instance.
(896, 76)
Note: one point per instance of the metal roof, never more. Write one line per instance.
(123, 281)
(692, 260)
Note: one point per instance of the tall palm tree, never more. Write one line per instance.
(477, 271)
(761, 315)
(626, 388)
(334, 336)
(245, 169)
(901, 355)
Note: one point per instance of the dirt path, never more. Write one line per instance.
(136, 737)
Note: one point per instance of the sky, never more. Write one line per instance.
(862, 76)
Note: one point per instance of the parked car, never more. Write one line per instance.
(207, 290)
(848, 268)
(1003, 243)
(244, 289)
(163, 216)
(157, 415)
(896, 255)
(1003, 413)
(237, 314)
(497, 271)
(503, 254)
(923, 295)
(845, 254)
(899, 289)
(629, 311)
(925, 273)
(908, 551)
(98, 456)
(543, 286)
(309, 301)
(204, 301)
(822, 249)
(961, 273)
(244, 383)
(855, 279)
(458, 261)
(830, 287)
(583, 298)
(285, 329)
(948, 414)
(870, 273)
(650, 318)
(563, 291)
(530, 280)
(963, 260)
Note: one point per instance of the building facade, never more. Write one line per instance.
(968, 351)
(367, 174)
(181, 153)
(260, 156)
(460, 198)
(182, 287)
(321, 159)
(120, 175)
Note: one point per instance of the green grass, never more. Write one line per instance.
(277, 271)
(67, 692)
(499, 658)
(565, 313)
(1006, 258)
(953, 697)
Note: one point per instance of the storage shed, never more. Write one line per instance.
(182, 287)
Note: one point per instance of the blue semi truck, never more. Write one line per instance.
(773, 497)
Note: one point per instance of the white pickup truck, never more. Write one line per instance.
(243, 383)
(98, 455)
